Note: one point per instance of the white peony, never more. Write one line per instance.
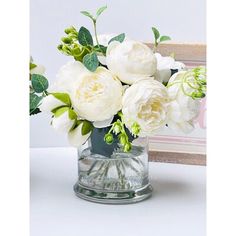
(66, 76)
(165, 65)
(96, 96)
(49, 103)
(183, 110)
(63, 120)
(131, 61)
(145, 102)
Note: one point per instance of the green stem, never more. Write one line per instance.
(96, 36)
(155, 47)
(45, 93)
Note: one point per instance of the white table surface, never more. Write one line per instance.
(177, 207)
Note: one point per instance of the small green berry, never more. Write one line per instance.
(135, 129)
(59, 47)
(127, 147)
(108, 138)
(117, 128)
(123, 139)
(70, 30)
(66, 40)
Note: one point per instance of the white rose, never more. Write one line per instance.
(39, 69)
(76, 138)
(145, 102)
(96, 96)
(49, 103)
(131, 61)
(165, 65)
(183, 110)
(63, 120)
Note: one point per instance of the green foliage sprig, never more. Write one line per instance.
(118, 129)
(70, 45)
(80, 44)
(87, 126)
(38, 89)
(194, 80)
(158, 38)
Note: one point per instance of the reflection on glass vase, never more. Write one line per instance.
(107, 174)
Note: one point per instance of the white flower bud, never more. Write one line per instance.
(75, 137)
(64, 121)
(49, 103)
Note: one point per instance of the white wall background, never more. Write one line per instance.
(183, 20)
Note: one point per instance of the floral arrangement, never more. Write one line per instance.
(119, 85)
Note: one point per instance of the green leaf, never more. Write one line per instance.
(60, 111)
(101, 10)
(156, 33)
(39, 83)
(87, 127)
(32, 66)
(84, 37)
(86, 13)
(91, 61)
(64, 97)
(164, 38)
(119, 38)
(72, 114)
(100, 48)
(34, 102)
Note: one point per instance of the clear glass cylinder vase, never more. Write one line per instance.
(107, 174)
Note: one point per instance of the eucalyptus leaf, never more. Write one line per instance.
(101, 10)
(63, 97)
(86, 127)
(34, 112)
(164, 38)
(84, 36)
(39, 83)
(34, 102)
(86, 13)
(91, 61)
(156, 33)
(119, 38)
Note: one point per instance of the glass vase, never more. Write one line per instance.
(107, 174)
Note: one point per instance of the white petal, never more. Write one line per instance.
(178, 65)
(103, 124)
(102, 59)
(39, 69)
(63, 123)
(49, 103)
(164, 75)
(111, 46)
(75, 137)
